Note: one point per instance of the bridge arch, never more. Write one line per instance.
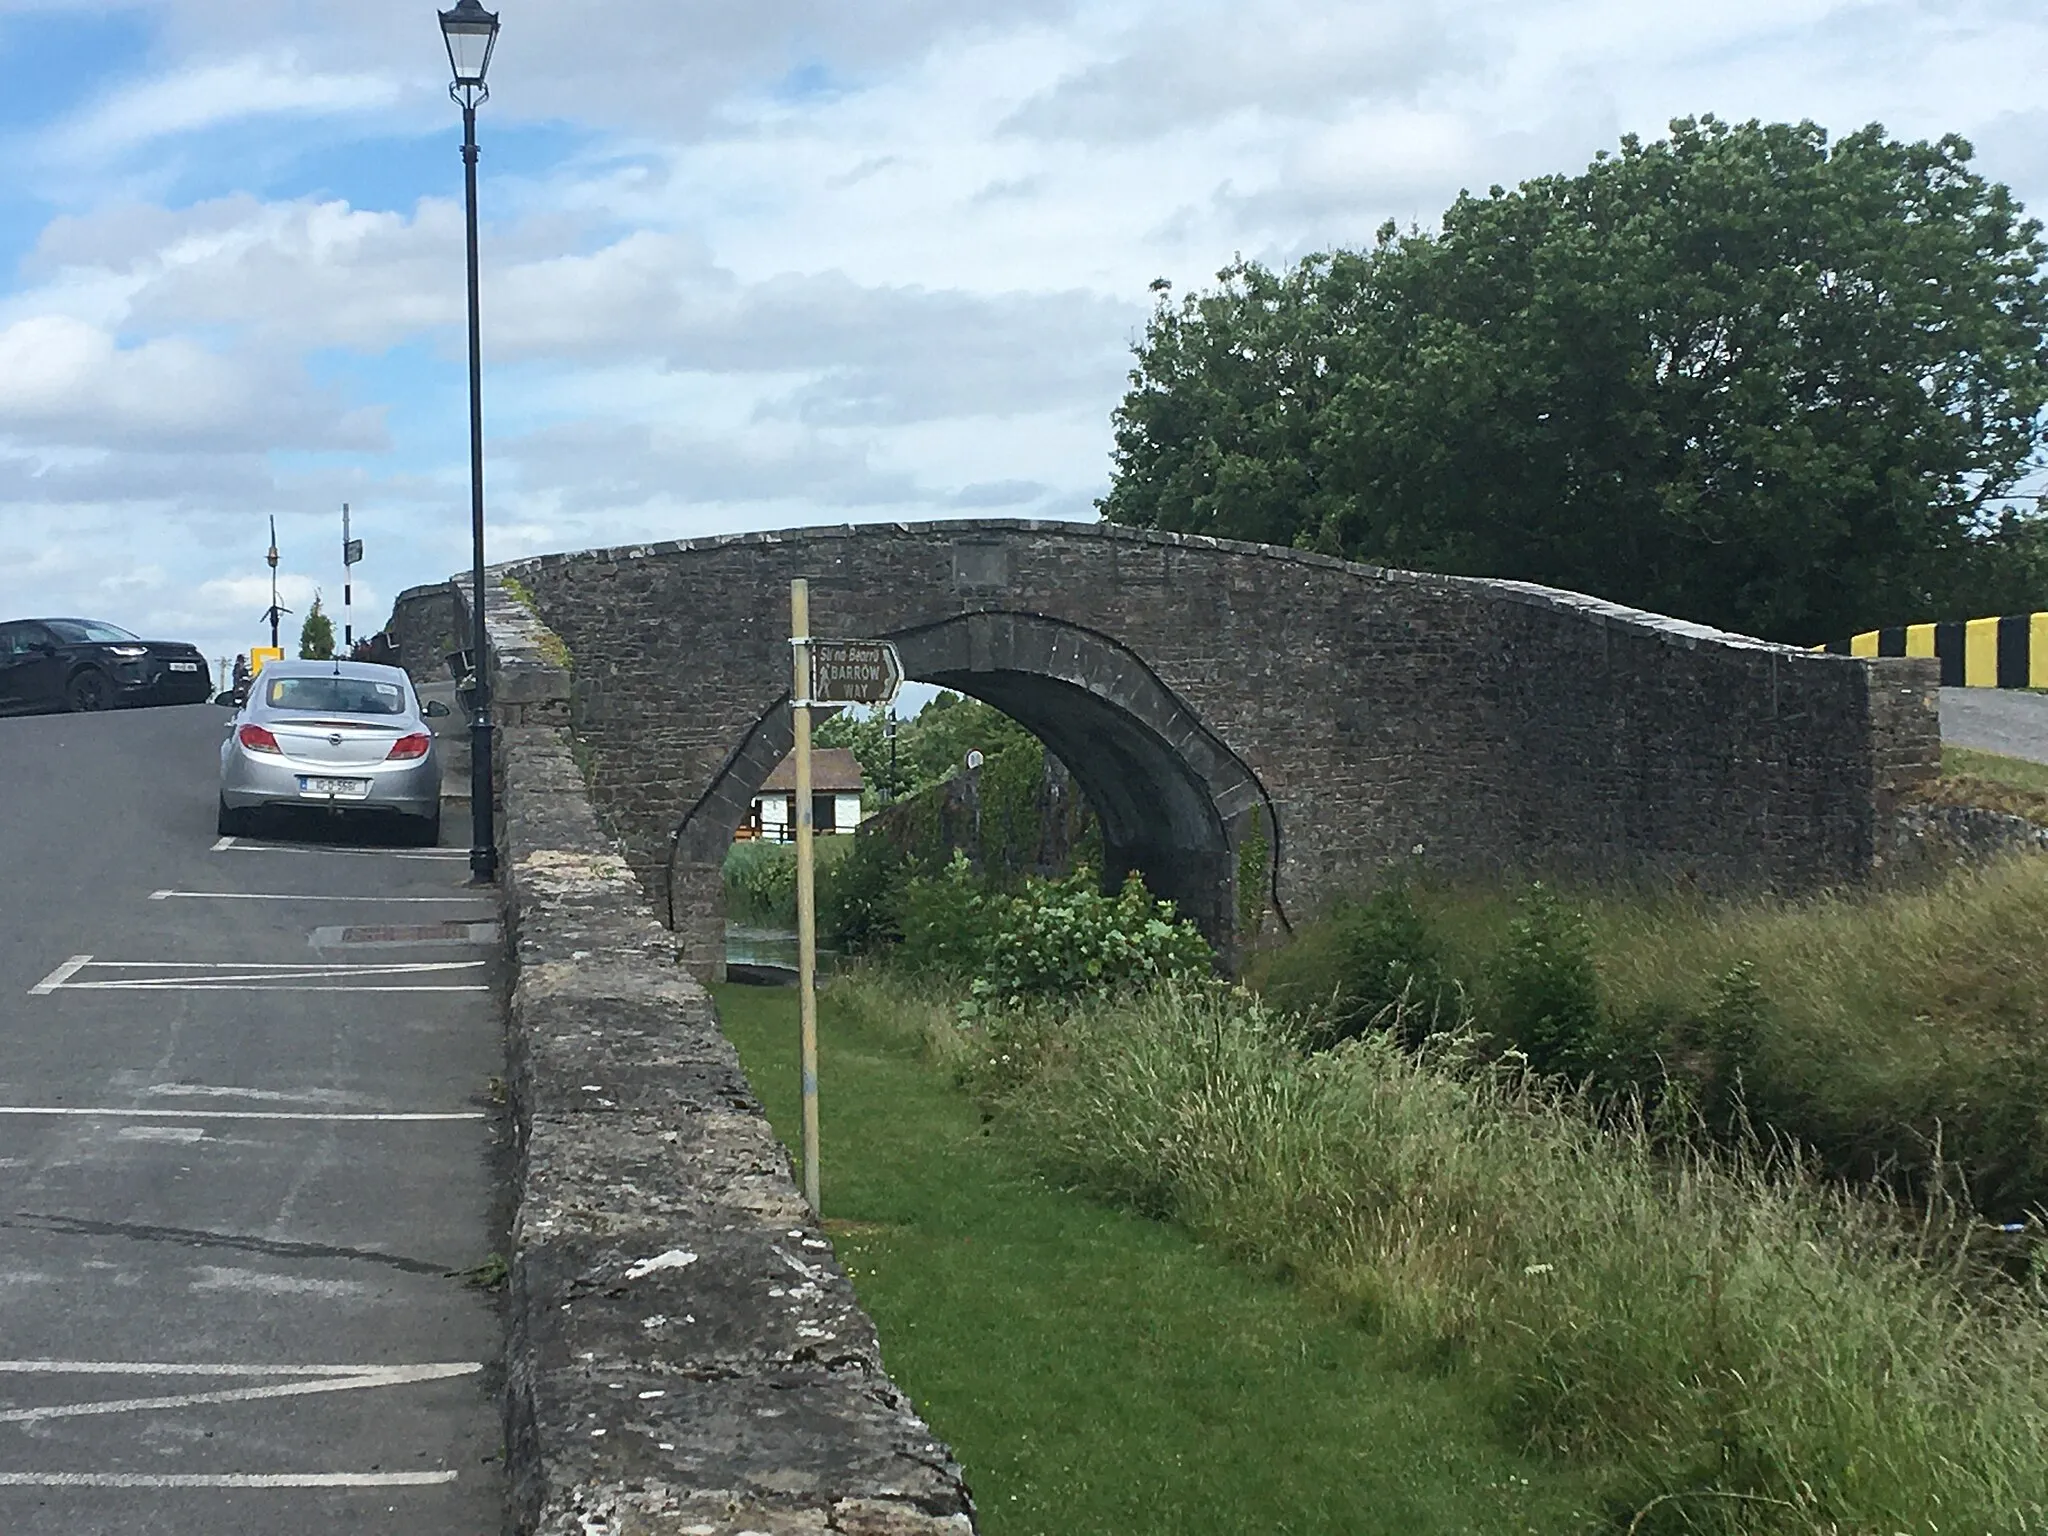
(1172, 799)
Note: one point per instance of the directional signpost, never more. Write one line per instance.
(825, 672)
(854, 672)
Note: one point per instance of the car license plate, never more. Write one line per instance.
(334, 788)
(184, 666)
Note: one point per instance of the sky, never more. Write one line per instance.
(751, 266)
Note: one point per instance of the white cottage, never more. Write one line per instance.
(835, 797)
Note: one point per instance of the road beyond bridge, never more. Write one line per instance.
(1259, 730)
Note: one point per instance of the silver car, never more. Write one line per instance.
(339, 735)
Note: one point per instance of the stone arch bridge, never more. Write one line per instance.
(1259, 730)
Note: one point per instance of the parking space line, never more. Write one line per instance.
(60, 976)
(466, 899)
(224, 1479)
(283, 969)
(433, 855)
(173, 985)
(188, 1368)
(86, 1112)
(383, 1376)
(259, 976)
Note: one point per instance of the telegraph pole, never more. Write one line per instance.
(276, 612)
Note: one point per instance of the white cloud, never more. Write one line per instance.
(208, 94)
(1285, 57)
(65, 382)
(812, 263)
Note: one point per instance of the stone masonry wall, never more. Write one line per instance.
(684, 1355)
(1477, 726)
(427, 623)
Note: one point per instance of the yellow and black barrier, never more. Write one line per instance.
(2008, 652)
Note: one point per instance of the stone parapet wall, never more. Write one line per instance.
(428, 622)
(685, 1356)
(1924, 842)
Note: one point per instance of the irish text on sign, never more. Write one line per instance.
(854, 671)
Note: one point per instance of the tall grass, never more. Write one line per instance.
(760, 880)
(1887, 1031)
(1749, 1348)
(1897, 1025)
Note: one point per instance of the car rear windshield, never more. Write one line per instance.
(334, 695)
(86, 631)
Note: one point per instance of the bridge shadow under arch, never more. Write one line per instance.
(1175, 804)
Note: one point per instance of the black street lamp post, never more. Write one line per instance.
(471, 32)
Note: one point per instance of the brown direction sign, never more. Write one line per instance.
(854, 671)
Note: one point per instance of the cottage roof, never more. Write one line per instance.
(834, 770)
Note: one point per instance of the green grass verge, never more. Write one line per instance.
(2017, 771)
(1098, 1372)
(1736, 1347)
(2009, 784)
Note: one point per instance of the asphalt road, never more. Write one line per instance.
(1996, 720)
(229, 1295)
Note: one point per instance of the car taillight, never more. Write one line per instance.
(257, 739)
(407, 748)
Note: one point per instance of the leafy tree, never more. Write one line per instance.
(930, 746)
(316, 635)
(1740, 375)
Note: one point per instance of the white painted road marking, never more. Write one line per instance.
(86, 1113)
(435, 855)
(283, 967)
(353, 1381)
(224, 1479)
(177, 1368)
(59, 976)
(269, 1095)
(257, 976)
(465, 899)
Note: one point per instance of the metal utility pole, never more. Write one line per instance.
(275, 612)
(471, 33)
(351, 556)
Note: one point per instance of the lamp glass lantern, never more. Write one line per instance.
(471, 33)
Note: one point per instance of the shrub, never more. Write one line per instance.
(860, 896)
(1067, 940)
(1050, 940)
(1544, 990)
(948, 921)
(1367, 958)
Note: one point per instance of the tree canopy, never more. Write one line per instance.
(1741, 375)
(931, 745)
(316, 635)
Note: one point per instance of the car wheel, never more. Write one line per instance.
(231, 822)
(90, 691)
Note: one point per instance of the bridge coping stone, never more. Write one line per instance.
(684, 1355)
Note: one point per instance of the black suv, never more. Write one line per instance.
(48, 664)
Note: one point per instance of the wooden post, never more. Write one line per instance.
(806, 886)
